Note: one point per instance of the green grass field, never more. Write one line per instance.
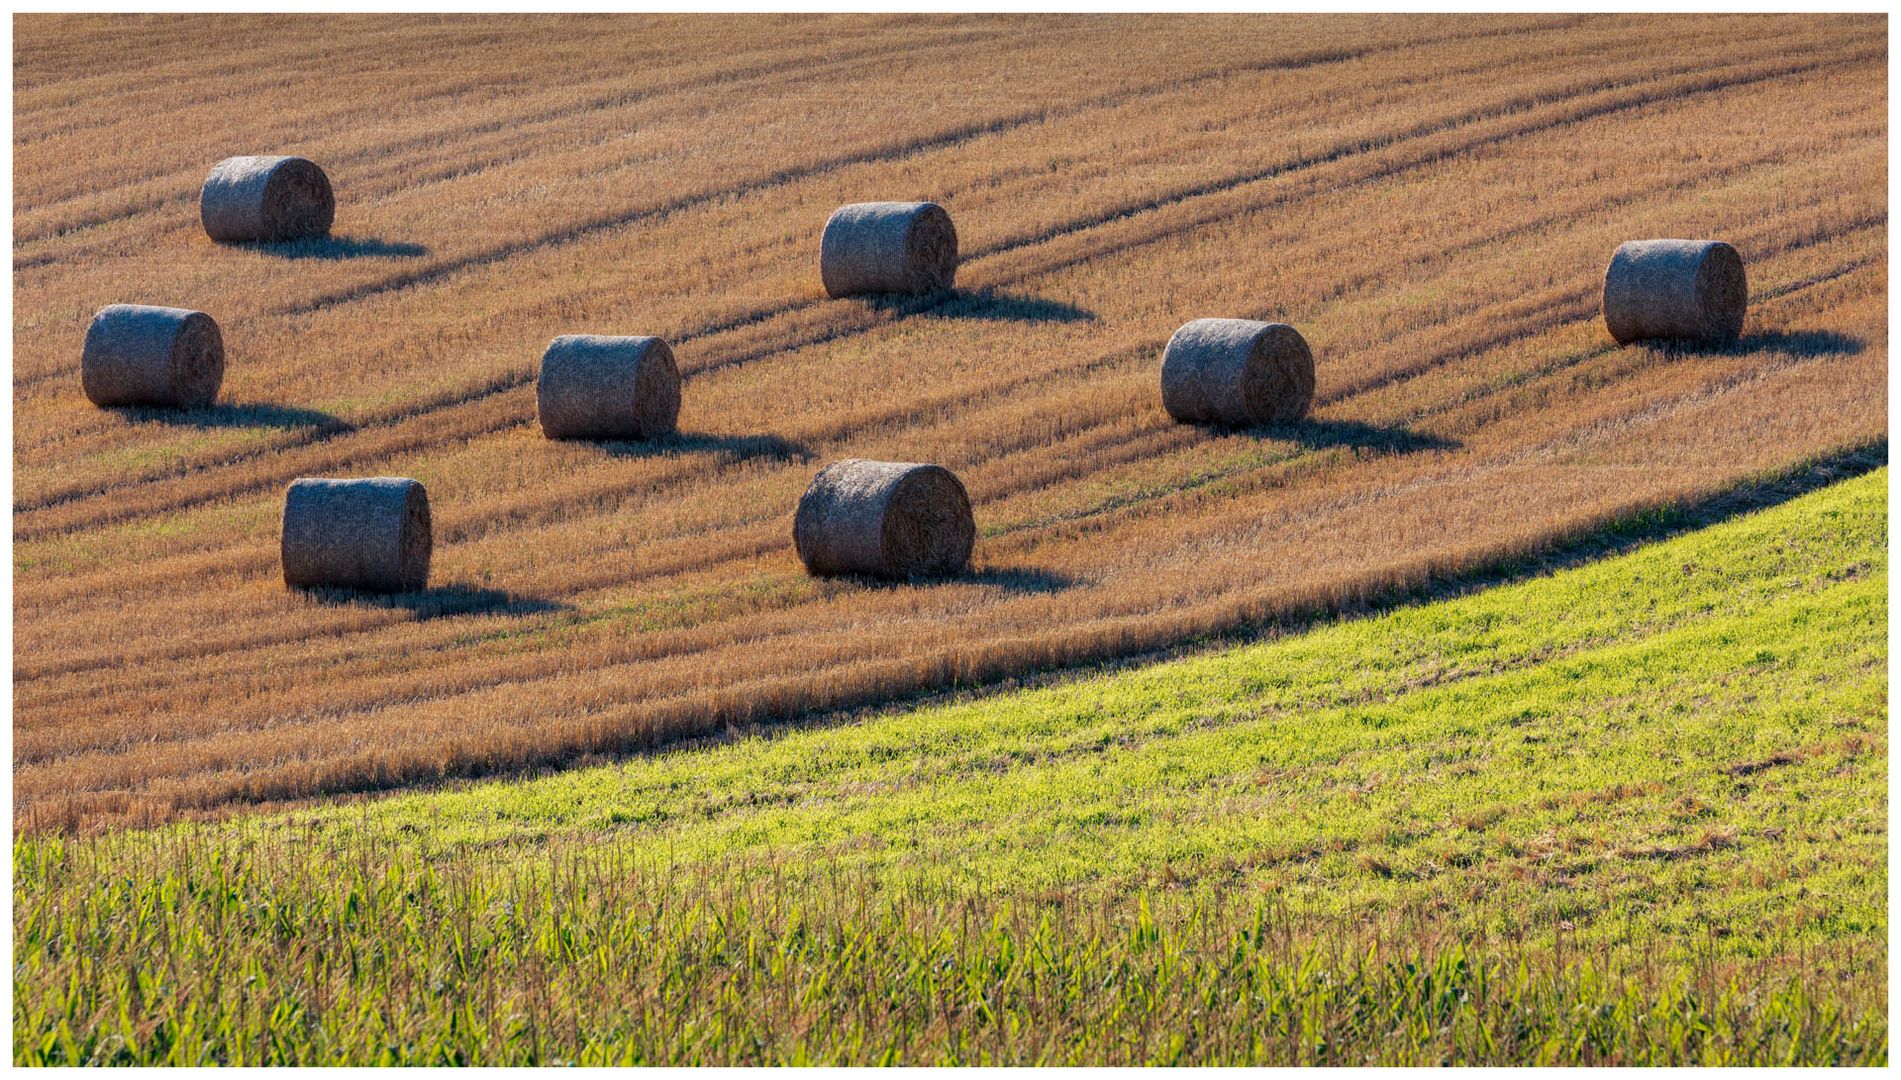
(1630, 812)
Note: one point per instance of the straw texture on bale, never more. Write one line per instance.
(370, 534)
(888, 247)
(1675, 289)
(891, 519)
(1238, 372)
(266, 198)
(140, 355)
(597, 387)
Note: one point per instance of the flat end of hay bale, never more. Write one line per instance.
(266, 199)
(886, 519)
(369, 534)
(593, 386)
(888, 247)
(137, 354)
(1686, 290)
(1237, 372)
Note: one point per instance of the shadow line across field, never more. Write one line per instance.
(335, 248)
(442, 601)
(1013, 579)
(732, 447)
(1813, 343)
(1324, 434)
(257, 415)
(988, 305)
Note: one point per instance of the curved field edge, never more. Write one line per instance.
(1633, 811)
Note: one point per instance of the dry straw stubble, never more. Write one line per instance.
(597, 387)
(266, 199)
(890, 519)
(136, 354)
(888, 247)
(1694, 290)
(369, 534)
(1238, 372)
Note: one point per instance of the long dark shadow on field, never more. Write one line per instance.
(280, 417)
(1798, 342)
(1323, 434)
(982, 305)
(732, 447)
(1014, 579)
(442, 601)
(1021, 579)
(333, 248)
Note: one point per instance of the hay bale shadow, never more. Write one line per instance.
(440, 602)
(1006, 307)
(731, 447)
(1015, 579)
(281, 417)
(1021, 579)
(333, 248)
(980, 305)
(1323, 434)
(1815, 343)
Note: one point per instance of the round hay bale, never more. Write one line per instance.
(369, 534)
(597, 387)
(1692, 290)
(891, 519)
(140, 355)
(266, 198)
(1238, 372)
(888, 247)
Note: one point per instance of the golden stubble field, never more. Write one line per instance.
(1431, 200)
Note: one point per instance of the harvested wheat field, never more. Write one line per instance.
(1430, 201)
